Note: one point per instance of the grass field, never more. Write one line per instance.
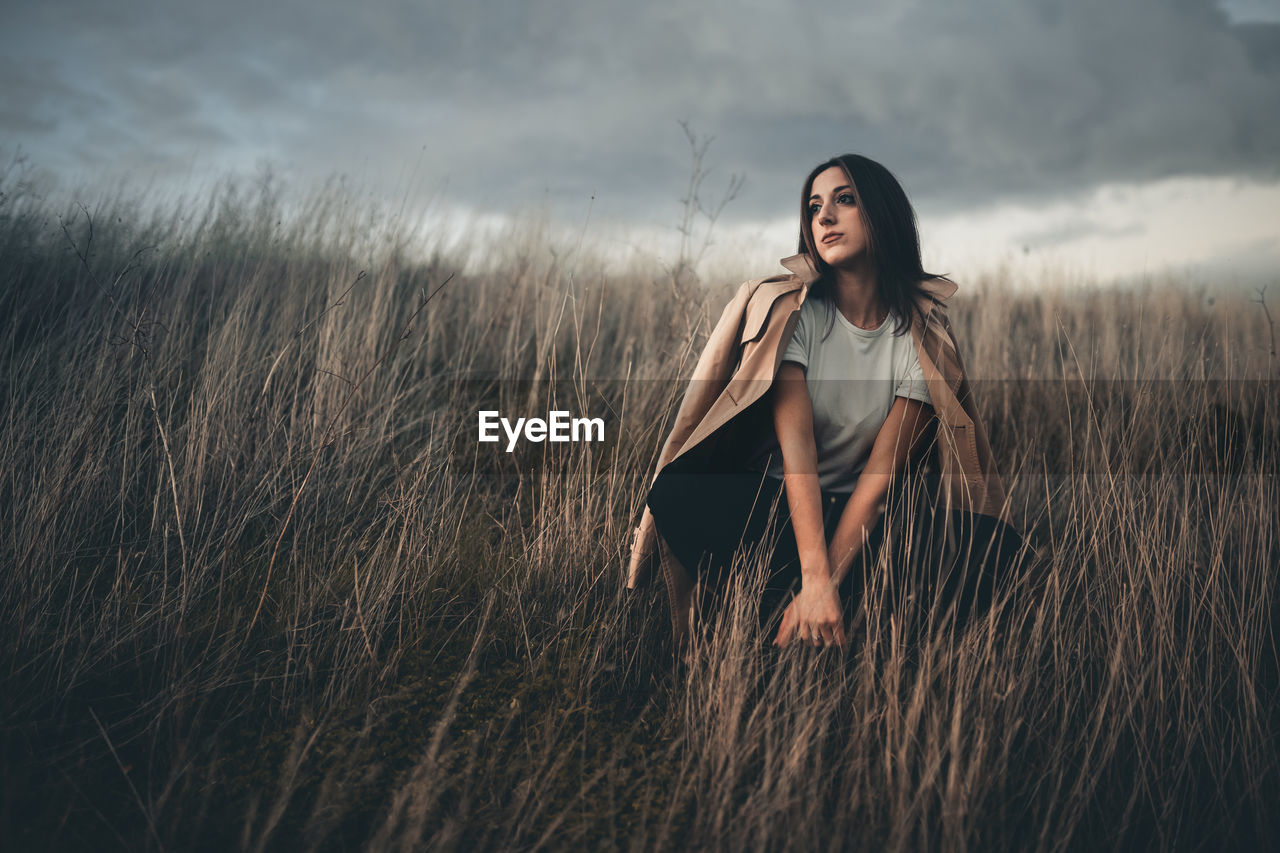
(264, 589)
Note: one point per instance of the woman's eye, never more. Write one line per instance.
(847, 198)
(813, 208)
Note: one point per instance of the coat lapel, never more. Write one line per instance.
(764, 334)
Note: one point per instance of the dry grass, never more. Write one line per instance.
(266, 590)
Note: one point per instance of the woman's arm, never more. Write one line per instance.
(894, 442)
(815, 613)
(793, 422)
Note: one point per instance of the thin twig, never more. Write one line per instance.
(692, 205)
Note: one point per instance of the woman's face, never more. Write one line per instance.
(835, 218)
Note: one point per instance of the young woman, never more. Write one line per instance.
(814, 392)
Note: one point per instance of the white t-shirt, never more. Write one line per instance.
(853, 376)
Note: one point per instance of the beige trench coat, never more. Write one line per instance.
(737, 367)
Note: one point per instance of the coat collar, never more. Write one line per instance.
(800, 264)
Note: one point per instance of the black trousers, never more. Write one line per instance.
(713, 522)
(942, 562)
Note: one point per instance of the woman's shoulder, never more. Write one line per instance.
(813, 303)
(815, 308)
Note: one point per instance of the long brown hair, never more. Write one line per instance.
(893, 241)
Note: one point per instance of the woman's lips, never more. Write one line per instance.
(830, 237)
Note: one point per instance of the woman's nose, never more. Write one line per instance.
(825, 215)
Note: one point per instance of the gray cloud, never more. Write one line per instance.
(554, 101)
(1044, 238)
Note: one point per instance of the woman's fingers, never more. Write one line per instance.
(827, 634)
(811, 634)
(787, 627)
(814, 633)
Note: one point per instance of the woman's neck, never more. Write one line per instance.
(855, 294)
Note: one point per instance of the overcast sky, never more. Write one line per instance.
(1125, 136)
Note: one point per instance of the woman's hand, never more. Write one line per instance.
(815, 616)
